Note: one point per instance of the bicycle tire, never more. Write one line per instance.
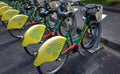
(91, 36)
(40, 68)
(32, 49)
(17, 33)
(65, 27)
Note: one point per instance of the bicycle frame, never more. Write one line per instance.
(81, 34)
(76, 41)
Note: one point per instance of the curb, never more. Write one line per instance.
(111, 44)
(107, 42)
(111, 8)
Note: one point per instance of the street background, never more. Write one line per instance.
(14, 60)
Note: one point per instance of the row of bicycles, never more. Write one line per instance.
(48, 29)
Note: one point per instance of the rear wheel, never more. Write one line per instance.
(90, 37)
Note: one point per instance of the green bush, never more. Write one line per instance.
(104, 2)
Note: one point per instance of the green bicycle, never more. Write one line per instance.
(53, 53)
(52, 31)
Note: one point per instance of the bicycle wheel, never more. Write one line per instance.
(90, 36)
(32, 49)
(53, 67)
(17, 33)
(68, 25)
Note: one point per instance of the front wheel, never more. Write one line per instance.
(90, 36)
(17, 33)
(54, 66)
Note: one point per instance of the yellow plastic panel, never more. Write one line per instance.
(3, 4)
(99, 14)
(17, 22)
(4, 8)
(53, 4)
(31, 1)
(41, 2)
(70, 8)
(33, 35)
(50, 50)
(9, 14)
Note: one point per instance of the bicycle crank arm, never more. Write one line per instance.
(54, 33)
(73, 47)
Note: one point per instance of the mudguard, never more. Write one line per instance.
(50, 50)
(4, 8)
(33, 35)
(17, 21)
(9, 14)
(3, 4)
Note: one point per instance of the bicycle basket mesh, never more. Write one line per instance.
(97, 12)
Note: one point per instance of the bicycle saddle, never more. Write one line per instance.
(64, 14)
(44, 14)
(28, 7)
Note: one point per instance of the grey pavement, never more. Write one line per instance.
(110, 28)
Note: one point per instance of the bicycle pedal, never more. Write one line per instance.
(47, 36)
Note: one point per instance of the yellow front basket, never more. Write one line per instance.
(3, 4)
(17, 22)
(50, 50)
(33, 35)
(9, 14)
(4, 8)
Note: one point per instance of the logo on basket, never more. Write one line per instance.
(18, 20)
(36, 34)
(53, 48)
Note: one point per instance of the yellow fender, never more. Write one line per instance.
(4, 8)
(33, 35)
(50, 50)
(17, 21)
(9, 14)
(3, 4)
